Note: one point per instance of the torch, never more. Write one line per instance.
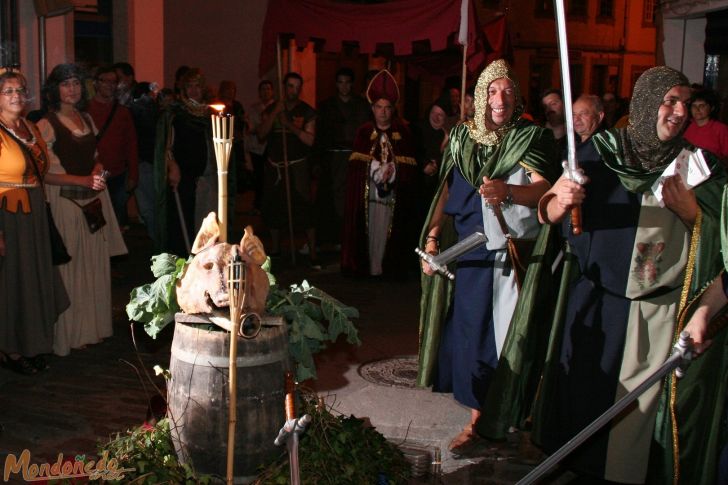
(222, 139)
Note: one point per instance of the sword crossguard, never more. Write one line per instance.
(440, 268)
(684, 348)
(576, 174)
(291, 426)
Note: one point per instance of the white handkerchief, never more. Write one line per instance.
(690, 166)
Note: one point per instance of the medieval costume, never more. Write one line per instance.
(628, 287)
(88, 275)
(32, 292)
(184, 134)
(378, 230)
(297, 153)
(336, 127)
(463, 323)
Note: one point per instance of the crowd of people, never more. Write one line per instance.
(554, 342)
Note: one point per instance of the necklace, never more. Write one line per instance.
(29, 139)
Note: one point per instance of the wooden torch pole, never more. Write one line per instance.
(285, 154)
(236, 292)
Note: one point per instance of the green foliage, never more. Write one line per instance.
(305, 308)
(339, 450)
(155, 304)
(150, 452)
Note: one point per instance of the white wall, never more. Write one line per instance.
(684, 46)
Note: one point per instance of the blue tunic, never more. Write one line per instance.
(467, 355)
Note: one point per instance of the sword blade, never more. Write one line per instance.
(452, 253)
(566, 82)
(681, 354)
(293, 459)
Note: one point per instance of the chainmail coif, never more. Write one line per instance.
(478, 131)
(642, 147)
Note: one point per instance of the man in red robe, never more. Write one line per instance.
(380, 215)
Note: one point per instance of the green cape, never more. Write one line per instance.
(524, 375)
(527, 144)
(164, 137)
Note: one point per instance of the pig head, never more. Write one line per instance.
(203, 286)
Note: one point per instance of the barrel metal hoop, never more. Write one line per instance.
(196, 358)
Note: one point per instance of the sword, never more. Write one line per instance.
(439, 262)
(573, 171)
(291, 430)
(680, 357)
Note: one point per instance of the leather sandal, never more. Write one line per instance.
(463, 441)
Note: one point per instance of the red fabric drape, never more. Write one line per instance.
(399, 23)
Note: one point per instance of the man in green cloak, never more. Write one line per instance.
(629, 283)
(494, 170)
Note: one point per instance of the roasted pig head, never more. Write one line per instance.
(203, 286)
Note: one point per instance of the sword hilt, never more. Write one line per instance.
(439, 268)
(290, 388)
(684, 348)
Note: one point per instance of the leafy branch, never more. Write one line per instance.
(149, 452)
(339, 450)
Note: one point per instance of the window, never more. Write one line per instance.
(648, 14)
(578, 8)
(605, 10)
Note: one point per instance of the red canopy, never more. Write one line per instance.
(399, 23)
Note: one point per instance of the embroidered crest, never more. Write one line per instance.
(647, 263)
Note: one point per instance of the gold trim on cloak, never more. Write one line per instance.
(682, 312)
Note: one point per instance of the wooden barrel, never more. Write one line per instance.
(198, 397)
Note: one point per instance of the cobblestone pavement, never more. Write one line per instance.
(96, 392)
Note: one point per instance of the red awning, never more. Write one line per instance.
(399, 23)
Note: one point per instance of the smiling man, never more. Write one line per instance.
(495, 169)
(639, 266)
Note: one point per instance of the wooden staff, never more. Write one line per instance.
(285, 152)
(236, 292)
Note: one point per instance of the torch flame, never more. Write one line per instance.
(218, 107)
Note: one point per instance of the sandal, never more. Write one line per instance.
(464, 441)
(21, 365)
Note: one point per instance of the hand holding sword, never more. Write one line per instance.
(435, 262)
(571, 167)
(292, 429)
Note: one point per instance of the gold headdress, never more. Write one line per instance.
(478, 131)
